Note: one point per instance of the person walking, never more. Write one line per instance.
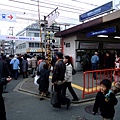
(43, 81)
(85, 62)
(24, 67)
(4, 79)
(58, 80)
(7, 73)
(68, 78)
(105, 104)
(94, 62)
(15, 64)
(33, 64)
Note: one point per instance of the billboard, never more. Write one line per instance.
(97, 11)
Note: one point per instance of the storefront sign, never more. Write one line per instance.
(111, 46)
(89, 45)
(97, 11)
(102, 32)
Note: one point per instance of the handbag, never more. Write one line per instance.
(73, 71)
(35, 79)
(54, 98)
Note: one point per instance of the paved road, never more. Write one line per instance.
(24, 106)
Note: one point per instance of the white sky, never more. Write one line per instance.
(76, 7)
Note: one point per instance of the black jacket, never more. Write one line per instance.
(106, 108)
(4, 70)
(59, 71)
(43, 80)
(4, 73)
(3, 82)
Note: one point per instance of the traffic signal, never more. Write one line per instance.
(53, 46)
(53, 41)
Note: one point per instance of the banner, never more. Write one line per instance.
(21, 38)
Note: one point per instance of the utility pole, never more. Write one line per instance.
(11, 29)
(41, 42)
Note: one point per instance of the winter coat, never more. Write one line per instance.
(33, 62)
(106, 108)
(4, 73)
(43, 81)
(15, 63)
(41, 65)
(24, 65)
(68, 73)
(107, 62)
(59, 71)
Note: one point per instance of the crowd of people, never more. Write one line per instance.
(13, 66)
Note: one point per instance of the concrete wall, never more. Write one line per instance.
(70, 50)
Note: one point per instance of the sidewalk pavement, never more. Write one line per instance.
(28, 86)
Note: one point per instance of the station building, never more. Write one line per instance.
(100, 34)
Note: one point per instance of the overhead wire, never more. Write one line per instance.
(85, 3)
(45, 6)
(22, 13)
(73, 8)
(65, 4)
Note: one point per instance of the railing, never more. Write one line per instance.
(91, 85)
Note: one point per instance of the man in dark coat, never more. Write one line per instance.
(57, 80)
(4, 79)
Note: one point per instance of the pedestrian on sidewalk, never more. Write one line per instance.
(43, 81)
(105, 103)
(58, 81)
(33, 65)
(4, 79)
(15, 64)
(68, 78)
(94, 62)
(24, 67)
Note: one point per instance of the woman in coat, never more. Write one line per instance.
(68, 78)
(24, 65)
(43, 81)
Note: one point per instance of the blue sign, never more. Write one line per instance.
(3, 16)
(97, 11)
(102, 32)
(23, 38)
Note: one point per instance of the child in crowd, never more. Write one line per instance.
(106, 104)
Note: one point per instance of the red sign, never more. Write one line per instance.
(10, 17)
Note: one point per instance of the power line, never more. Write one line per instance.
(63, 4)
(31, 13)
(73, 8)
(85, 3)
(44, 6)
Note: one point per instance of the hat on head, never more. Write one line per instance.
(15, 56)
(7, 55)
(96, 53)
(60, 55)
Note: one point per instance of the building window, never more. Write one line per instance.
(24, 45)
(31, 44)
(37, 45)
(67, 44)
(20, 46)
(36, 34)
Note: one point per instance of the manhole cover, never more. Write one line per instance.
(89, 109)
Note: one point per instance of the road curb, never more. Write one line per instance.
(19, 88)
